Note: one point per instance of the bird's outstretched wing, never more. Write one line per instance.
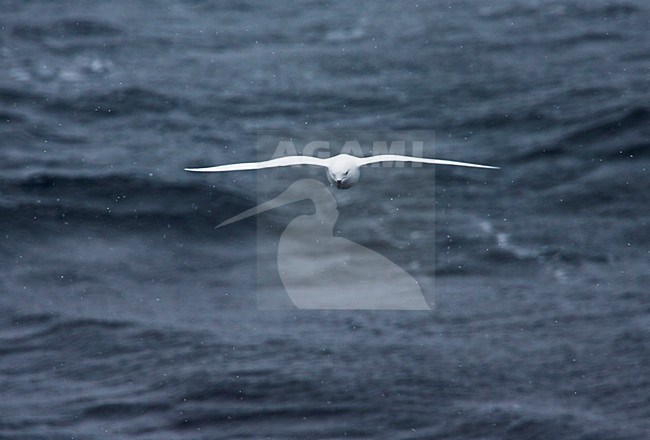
(399, 158)
(278, 162)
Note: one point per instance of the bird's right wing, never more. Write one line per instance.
(399, 158)
(278, 162)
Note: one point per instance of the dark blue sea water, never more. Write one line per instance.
(125, 314)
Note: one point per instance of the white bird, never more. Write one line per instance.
(343, 170)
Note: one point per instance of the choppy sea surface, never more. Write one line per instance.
(125, 314)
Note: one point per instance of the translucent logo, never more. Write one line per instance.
(318, 268)
(322, 271)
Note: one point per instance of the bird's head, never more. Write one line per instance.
(343, 175)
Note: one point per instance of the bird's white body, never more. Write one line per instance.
(343, 170)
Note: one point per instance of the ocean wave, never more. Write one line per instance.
(114, 199)
(617, 134)
(523, 420)
(611, 126)
(124, 409)
(8, 117)
(65, 28)
(593, 9)
(119, 102)
(608, 9)
(19, 95)
(608, 189)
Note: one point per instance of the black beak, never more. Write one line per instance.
(338, 184)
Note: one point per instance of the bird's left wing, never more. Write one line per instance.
(399, 158)
(278, 162)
